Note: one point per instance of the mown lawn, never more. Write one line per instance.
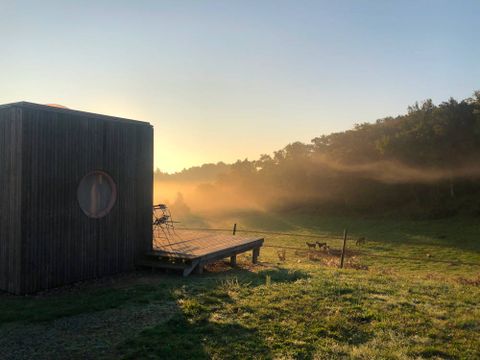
(420, 302)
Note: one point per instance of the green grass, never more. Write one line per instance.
(43, 309)
(405, 306)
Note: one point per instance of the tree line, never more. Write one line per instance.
(422, 163)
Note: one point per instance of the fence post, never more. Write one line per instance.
(234, 228)
(343, 248)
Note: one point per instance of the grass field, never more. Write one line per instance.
(411, 292)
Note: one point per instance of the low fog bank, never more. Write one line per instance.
(394, 172)
(422, 164)
(328, 187)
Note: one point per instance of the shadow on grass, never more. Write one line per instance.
(458, 233)
(194, 334)
(434, 353)
(185, 338)
(274, 275)
(219, 315)
(70, 301)
(51, 306)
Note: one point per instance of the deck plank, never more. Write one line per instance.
(188, 244)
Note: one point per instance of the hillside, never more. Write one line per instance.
(423, 163)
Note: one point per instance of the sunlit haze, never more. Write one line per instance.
(222, 81)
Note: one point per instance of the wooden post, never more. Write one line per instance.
(343, 248)
(233, 260)
(234, 228)
(256, 253)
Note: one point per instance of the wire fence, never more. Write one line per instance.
(235, 230)
(359, 252)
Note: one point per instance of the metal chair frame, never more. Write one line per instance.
(163, 221)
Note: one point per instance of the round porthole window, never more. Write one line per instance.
(97, 194)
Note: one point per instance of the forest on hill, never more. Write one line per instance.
(424, 163)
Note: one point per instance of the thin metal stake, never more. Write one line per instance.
(344, 246)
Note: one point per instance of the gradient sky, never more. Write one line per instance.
(223, 80)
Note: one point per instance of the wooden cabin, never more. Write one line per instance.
(75, 195)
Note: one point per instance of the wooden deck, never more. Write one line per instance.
(191, 250)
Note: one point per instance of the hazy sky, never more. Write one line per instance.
(223, 80)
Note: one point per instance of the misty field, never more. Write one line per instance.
(411, 292)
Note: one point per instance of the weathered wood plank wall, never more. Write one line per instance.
(60, 244)
(10, 199)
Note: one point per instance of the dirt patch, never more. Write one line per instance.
(469, 281)
(332, 259)
(435, 277)
(330, 253)
(350, 263)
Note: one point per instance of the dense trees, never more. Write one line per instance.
(205, 172)
(423, 162)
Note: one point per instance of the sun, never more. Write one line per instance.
(57, 106)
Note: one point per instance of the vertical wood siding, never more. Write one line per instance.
(60, 243)
(10, 199)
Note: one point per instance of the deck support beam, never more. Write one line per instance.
(255, 255)
(233, 260)
(192, 267)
